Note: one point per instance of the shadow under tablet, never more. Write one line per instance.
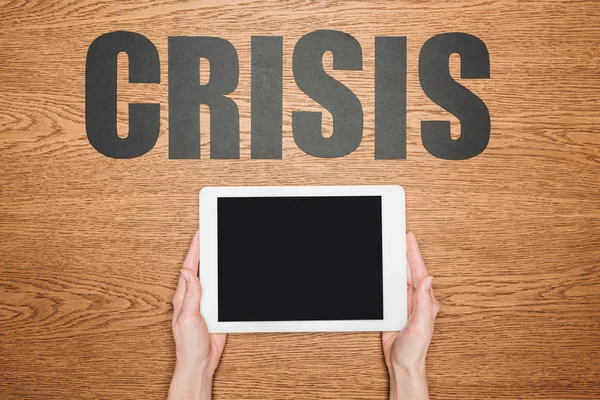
(299, 258)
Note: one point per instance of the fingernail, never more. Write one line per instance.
(186, 275)
(428, 284)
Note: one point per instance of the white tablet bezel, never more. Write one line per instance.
(394, 258)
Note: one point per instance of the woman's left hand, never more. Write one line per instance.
(198, 351)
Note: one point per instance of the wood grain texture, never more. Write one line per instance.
(90, 246)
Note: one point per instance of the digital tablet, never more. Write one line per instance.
(303, 259)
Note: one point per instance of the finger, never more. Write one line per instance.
(191, 299)
(410, 295)
(436, 304)
(409, 277)
(418, 270)
(191, 260)
(388, 338)
(218, 342)
(178, 297)
(410, 286)
(423, 311)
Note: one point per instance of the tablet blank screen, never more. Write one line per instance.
(299, 258)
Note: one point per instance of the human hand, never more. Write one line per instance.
(198, 352)
(405, 351)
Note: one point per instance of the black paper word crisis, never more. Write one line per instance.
(186, 94)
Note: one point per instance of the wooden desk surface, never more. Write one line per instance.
(90, 246)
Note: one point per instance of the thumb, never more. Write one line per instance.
(422, 316)
(191, 299)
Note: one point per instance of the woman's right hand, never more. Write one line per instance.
(405, 351)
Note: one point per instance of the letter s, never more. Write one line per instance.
(442, 89)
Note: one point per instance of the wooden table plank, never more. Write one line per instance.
(90, 246)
